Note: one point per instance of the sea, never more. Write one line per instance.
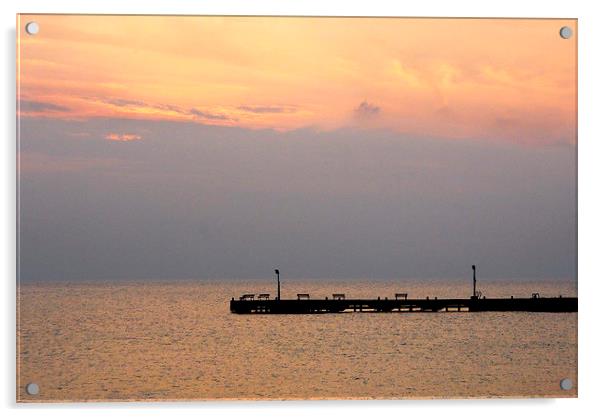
(178, 341)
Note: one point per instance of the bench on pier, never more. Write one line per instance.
(302, 296)
(338, 296)
(247, 297)
(263, 297)
(403, 295)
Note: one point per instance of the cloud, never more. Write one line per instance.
(39, 107)
(445, 112)
(140, 104)
(159, 110)
(206, 115)
(366, 109)
(127, 103)
(122, 102)
(123, 137)
(202, 114)
(266, 109)
(379, 203)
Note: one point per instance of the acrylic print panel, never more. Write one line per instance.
(296, 208)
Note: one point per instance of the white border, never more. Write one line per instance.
(590, 198)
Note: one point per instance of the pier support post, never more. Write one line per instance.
(277, 271)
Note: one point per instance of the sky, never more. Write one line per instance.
(223, 147)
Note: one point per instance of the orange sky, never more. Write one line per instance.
(459, 78)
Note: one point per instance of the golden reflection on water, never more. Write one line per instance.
(178, 341)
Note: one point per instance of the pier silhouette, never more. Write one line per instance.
(401, 303)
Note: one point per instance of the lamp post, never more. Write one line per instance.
(278, 279)
(474, 281)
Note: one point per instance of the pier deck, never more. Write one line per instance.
(338, 305)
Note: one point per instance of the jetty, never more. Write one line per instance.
(399, 302)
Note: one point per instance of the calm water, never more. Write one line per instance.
(176, 341)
